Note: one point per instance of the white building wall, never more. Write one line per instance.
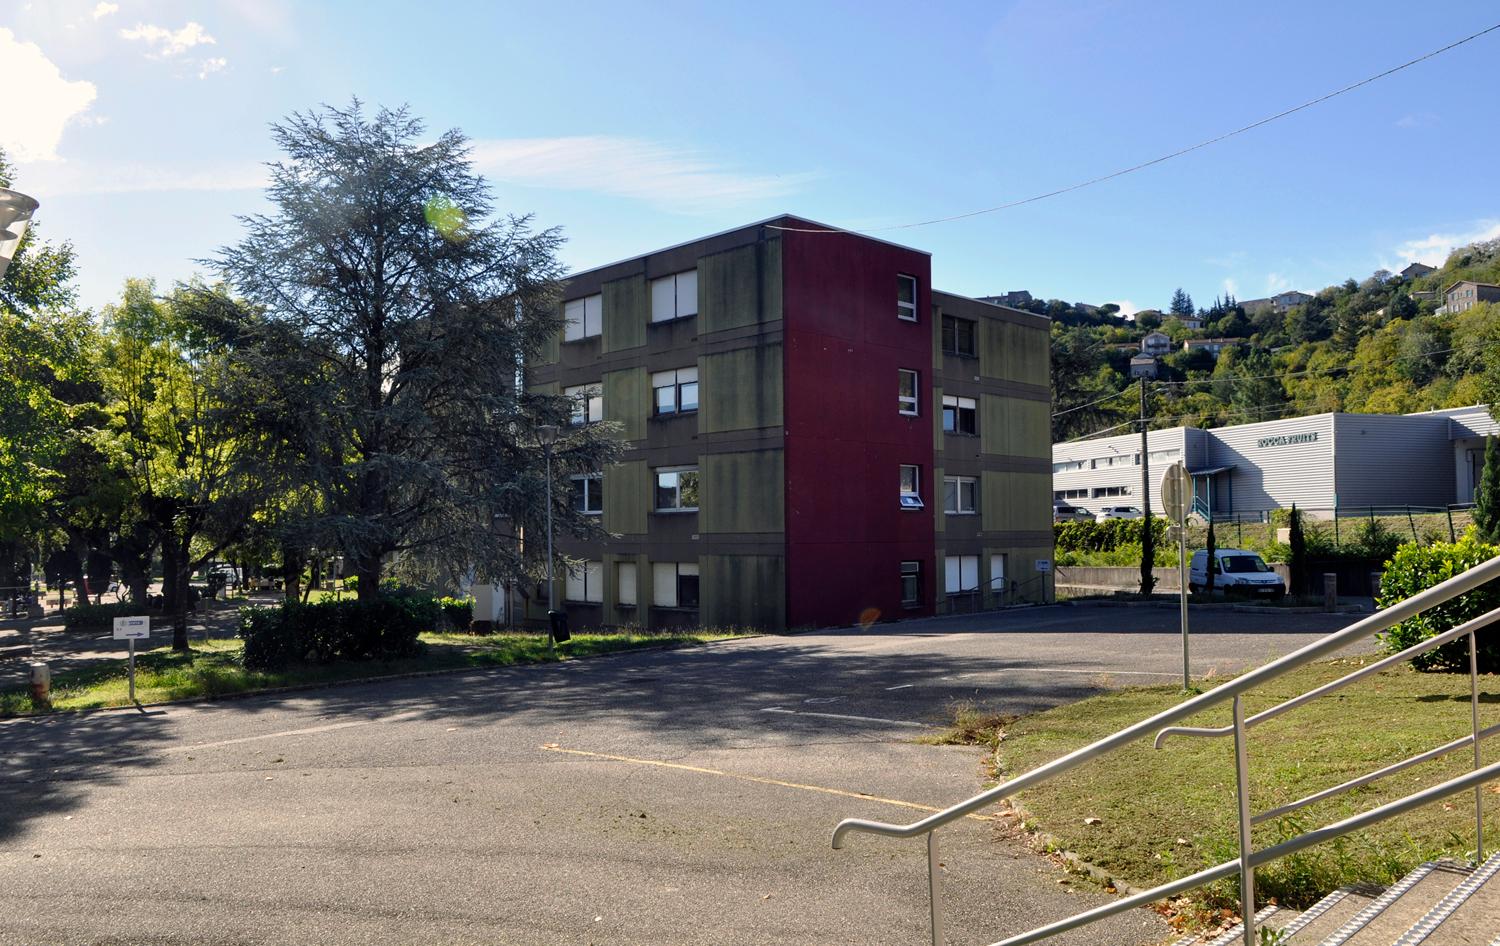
(1276, 463)
(1113, 463)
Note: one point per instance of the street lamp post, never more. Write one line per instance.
(15, 213)
(547, 437)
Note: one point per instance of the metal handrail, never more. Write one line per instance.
(1230, 690)
(1432, 643)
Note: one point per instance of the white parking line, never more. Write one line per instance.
(901, 686)
(308, 731)
(862, 719)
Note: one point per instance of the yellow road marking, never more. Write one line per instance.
(754, 778)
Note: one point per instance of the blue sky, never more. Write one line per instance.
(141, 125)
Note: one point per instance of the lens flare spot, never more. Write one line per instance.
(447, 218)
(867, 617)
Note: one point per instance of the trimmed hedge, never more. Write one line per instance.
(458, 611)
(1106, 536)
(98, 617)
(383, 629)
(1416, 568)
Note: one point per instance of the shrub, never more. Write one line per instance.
(459, 612)
(1416, 568)
(383, 629)
(1106, 536)
(98, 617)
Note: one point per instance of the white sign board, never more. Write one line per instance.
(132, 628)
(1044, 564)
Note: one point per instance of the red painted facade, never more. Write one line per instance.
(846, 533)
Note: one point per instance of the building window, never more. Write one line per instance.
(677, 489)
(906, 391)
(960, 415)
(997, 572)
(588, 404)
(588, 493)
(583, 318)
(585, 582)
(1079, 493)
(1068, 466)
(911, 492)
(960, 574)
(625, 583)
(675, 392)
(674, 584)
(1164, 456)
(675, 296)
(960, 495)
(1111, 491)
(911, 584)
(1118, 459)
(906, 298)
(958, 336)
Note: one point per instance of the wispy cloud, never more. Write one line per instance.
(1232, 288)
(1417, 120)
(72, 178)
(674, 178)
(1276, 282)
(43, 104)
(208, 67)
(163, 43)
(1434, 248)
(103, 10)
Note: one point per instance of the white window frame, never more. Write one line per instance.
(907, 311)
(658, 473)
(959, 404)
(677, 381)
(593, 493)
(666, 583)
(953, 488)
(583, 318)
(960, 574)
(585, 583)
(909, 405)
(588, 403)
(675, 296)
(911, 498)
(625, 583)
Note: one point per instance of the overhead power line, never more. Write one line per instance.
(1166, 157)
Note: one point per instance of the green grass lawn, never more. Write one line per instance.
(1165, 813)
(213, 667)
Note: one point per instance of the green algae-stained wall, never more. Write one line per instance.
(742, 591)
(740, 389)
(739, 287)
(627, 490)
(1009, 352)
(627, 401)
(625, 314)
(742, 492)
(1015, 427)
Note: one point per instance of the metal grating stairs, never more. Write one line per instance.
(1437, 904)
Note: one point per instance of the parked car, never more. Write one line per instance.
(1065, 512)
(1236, 572)
(1118, 512)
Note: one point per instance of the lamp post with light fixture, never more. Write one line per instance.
(546, 435)
(15, 214)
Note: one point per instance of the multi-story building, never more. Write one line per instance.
(1466, 294)
(813, 435)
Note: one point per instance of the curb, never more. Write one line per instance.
(1052, 846)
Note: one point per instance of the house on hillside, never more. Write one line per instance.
(1193, 322)
(1017, 298)
(1211, 345)
(1416, 271)
(1281, 303)
(1466, 293)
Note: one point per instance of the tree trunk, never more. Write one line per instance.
(367, 568)
(291, 573)
(175, 572)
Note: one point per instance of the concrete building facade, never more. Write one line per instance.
(782, 391)
(1321, 463)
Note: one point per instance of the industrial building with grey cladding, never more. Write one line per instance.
(1323, 463)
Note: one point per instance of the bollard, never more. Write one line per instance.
(41, 684)
(1330, 591)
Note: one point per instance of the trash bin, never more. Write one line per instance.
(558, 621)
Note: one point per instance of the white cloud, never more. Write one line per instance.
(104, 9)
(86, 177)
(1276, 282)
(1232, 288)
(165, 43)
(1434, 248)
(42, 104)
(209, 66)
(1127, 308)
(626, 167)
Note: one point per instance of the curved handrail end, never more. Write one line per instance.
(1161, 735)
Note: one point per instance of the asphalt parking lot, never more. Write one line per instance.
(652, 797)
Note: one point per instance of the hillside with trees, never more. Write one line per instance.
(1372, 346)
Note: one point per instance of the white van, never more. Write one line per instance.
(1237, 572)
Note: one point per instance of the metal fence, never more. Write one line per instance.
(1344, 523)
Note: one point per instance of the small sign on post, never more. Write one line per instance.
(132, 629)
